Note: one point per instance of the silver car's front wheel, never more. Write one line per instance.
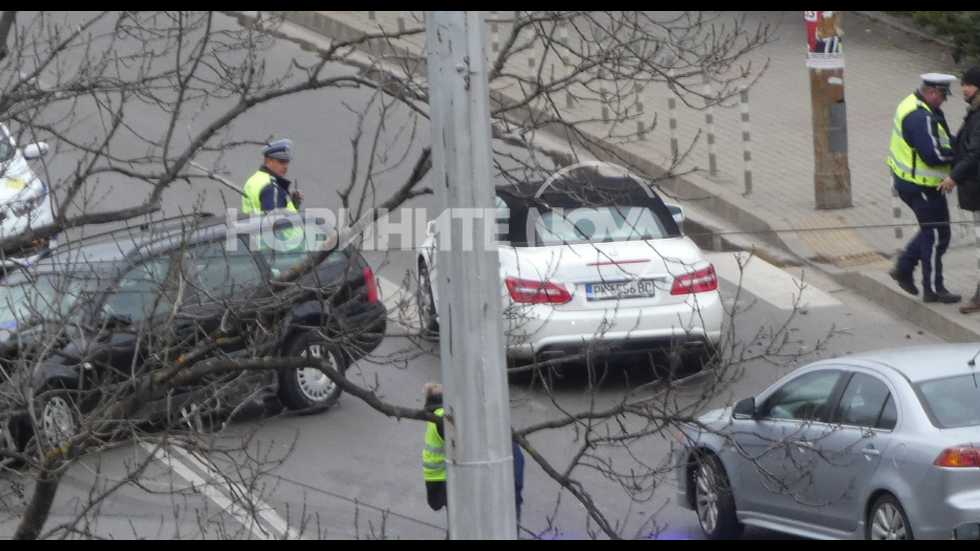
(713, 500)
(707, 501)
(887, 520)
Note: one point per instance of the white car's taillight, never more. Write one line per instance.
(537, 292)
(958, 456)
(697, 282)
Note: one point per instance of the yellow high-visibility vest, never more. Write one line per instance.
(434, 453)
(252, 198)
(903, 158)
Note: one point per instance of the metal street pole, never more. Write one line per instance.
(479, 456)
(825, 60)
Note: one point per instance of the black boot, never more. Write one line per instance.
(905, 281)
(943, 296)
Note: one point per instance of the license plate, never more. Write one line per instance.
(620, 290)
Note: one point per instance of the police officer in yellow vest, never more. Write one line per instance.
(920, 157)
(434, 450)
(268, 189)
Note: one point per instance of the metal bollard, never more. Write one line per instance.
(746, 139)
(638, 90)
(897, 214)
(672, 109)
(494, 33)
(709, 119)
(530, 60)
(976, 236)
(563, 39)
(605, 103)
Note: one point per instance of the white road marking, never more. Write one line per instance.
(208, 487)
(768, 282)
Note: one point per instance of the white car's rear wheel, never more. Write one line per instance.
(426, 304)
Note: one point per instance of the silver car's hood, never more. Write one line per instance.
(715, 419)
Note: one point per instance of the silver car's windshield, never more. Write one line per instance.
(952, 402)
(47, 296)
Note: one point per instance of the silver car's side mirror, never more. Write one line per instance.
(969, 531)
(35, 150)
(676, 212)
(744, 409)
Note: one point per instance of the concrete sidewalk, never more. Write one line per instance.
(856, 245)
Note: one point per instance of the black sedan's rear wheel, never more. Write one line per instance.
(57, 418)
(714, 501)
(308, 388)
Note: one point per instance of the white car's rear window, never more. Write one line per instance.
(596, 225)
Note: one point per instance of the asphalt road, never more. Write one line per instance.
(353, 473)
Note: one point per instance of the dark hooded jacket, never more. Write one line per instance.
(432, 403)
(966, 158)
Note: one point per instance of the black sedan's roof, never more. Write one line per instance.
(122, 246)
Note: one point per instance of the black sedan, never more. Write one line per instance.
(162, 313)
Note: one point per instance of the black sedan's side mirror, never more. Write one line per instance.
(117, 321)
(744, 409)
(969, 531)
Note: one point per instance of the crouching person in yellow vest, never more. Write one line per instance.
(434, 456)
(434, 450)
(268, 188)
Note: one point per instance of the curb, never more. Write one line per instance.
(899, 24)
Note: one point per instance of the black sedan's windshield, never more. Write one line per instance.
(6, 149)
(26, 299)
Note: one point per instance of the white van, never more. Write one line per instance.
(25, 201)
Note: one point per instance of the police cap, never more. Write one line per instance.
(939, 81)
(278, 150)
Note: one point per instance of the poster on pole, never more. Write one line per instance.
(824, 33)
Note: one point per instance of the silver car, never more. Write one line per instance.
(879, 445)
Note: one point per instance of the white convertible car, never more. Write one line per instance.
(593, 268)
